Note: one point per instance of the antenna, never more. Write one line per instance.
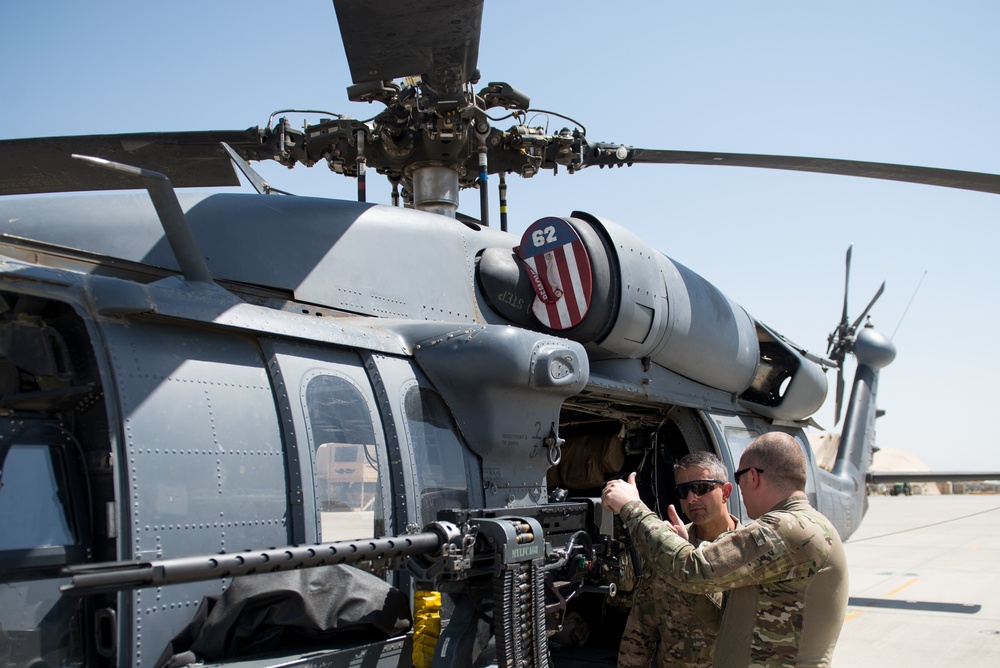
(175, 224)
(907, 309)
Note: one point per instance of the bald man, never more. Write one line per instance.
(786, 571)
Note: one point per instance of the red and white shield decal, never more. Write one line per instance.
(559, 268)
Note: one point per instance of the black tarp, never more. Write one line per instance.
(291, 610)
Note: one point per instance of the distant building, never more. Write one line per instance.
(885, 460)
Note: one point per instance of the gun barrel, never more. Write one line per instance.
(120, 575)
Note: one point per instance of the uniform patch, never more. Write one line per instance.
(745, 545)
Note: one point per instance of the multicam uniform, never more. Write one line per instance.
(683, 624)
(787, 573)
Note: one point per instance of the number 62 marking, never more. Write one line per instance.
(544, 236)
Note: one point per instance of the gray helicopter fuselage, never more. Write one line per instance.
(353, 371)
(396, 263)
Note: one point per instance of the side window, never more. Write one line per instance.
(39, 534)
(32, 500)
(43, 498)
(345, 460)
(445, 467)
(738, 440)
(810, 467)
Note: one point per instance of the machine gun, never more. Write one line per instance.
(530, 565)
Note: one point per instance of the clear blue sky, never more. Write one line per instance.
(907, 81)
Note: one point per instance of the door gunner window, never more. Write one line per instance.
(444, 465)
(346, 460)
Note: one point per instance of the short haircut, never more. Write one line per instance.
(705, 460)
(781, 459)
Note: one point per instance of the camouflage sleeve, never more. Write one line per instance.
(751, 554)
(642, 547)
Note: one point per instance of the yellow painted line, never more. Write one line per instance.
(902, 587)
(851, 615)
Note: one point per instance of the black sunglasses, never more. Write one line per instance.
(699, 487)
(736, 476)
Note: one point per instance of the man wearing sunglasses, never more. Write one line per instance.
(683, 624)
(786, 572)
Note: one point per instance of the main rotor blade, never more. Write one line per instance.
(189, 159)
(931, 176)
(388, 39)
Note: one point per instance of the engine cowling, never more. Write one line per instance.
(641, 304)
(633, 302)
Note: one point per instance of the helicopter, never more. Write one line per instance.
(186, 417)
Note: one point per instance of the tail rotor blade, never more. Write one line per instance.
(840, 395)
(847, 283)
(840, 331)
(861, 317)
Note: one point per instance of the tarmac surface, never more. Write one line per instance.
(924, 584)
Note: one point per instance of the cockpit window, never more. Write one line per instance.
(346, 472)
(445, 468)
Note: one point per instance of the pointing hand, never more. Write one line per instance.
(675, 522)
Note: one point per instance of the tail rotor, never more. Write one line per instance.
(841, 340)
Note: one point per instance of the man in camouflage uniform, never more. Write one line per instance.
(786, 572)
(683, 624)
